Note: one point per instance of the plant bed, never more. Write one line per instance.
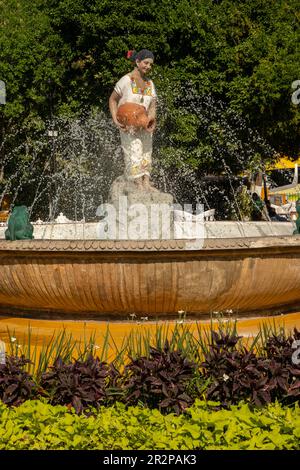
(37, 425)
(168, 377)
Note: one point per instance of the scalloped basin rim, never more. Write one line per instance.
(146, 245)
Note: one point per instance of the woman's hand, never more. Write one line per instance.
(120, 126)
(152, 125)
(113, 107)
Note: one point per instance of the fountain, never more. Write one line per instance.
(74, 267)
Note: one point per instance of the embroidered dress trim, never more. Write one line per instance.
(147, 91)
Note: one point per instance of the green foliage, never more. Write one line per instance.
(39, 426)
(242, 52)
(61, 344)
(193, 343)
(60, 58)
(244, 204)
(58, 55)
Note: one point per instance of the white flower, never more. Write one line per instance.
(132, 315)
(225, 377)
(13, 339)
(144, 318)
(96, 347)
(181, 312)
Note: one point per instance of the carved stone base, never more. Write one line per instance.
(141, 214)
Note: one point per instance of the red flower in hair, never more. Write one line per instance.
(129, 54)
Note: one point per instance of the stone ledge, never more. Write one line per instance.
(212, 230)
(150, 245)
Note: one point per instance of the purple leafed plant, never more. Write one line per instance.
(79, 384)
(16, 385)
(238, 374)
(160, 380)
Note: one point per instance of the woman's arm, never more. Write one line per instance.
(113, 107)
(152, 115)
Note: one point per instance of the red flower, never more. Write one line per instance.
(129, 54)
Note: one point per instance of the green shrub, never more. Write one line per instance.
(37, 425)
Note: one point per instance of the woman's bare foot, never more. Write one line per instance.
(139, 184)
(148, 186)
(153, 189)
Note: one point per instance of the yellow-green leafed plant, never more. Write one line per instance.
(38, 425)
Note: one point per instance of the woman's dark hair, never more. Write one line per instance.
(141, 55)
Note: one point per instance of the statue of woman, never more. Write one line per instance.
(136, 87)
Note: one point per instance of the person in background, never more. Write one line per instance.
(273, 214)
(258, 211)
(271, 210)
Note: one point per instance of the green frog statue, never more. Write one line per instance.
(297, 229)
(19, 227)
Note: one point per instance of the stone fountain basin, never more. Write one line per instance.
(103, 279)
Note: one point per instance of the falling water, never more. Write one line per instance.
(70, 166)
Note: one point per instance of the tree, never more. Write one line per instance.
(238, 56)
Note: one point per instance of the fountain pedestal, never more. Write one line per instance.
(148, 213)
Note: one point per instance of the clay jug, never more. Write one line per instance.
(133, 115)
